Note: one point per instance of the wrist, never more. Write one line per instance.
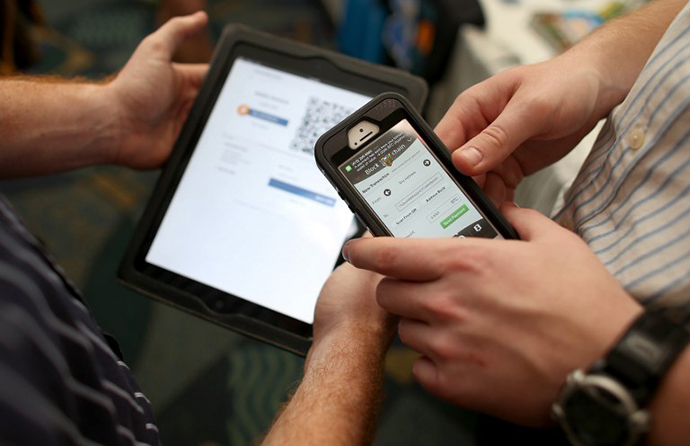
(611, 404)
(593, 64)
(620, 48)
(99, 122)
(671, 405)
(116, 123)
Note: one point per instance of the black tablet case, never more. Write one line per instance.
(320, 60)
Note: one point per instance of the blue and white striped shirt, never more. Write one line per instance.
(631, 200)
(62, 381)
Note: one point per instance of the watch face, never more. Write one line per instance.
(597, 418)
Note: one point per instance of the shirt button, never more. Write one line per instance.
(636, 137)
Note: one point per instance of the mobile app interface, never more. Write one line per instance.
(252, 215)
(410, 191)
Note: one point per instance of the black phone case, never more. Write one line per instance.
(238, 36)
(377, 110)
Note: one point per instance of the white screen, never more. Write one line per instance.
(252, 214)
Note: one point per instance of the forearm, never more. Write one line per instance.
(338, 400)
(621, 47)
(51, 126)
(671, 406)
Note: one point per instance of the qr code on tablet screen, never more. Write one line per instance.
(319, 117)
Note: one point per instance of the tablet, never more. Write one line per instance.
(242, 229)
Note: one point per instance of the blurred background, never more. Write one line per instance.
(208, 385)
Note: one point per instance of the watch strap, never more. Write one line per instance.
(645, 352)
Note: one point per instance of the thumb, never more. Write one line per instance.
(175, 31)
(496, 142)
(529, 224)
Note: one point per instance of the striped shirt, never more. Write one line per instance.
(62, 381)
(631, 200)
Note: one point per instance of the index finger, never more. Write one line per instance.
(413, 259)
(471, 112)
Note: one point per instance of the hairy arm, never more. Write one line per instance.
(52, 125)
(338, 401)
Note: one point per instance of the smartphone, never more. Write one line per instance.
(397, 177)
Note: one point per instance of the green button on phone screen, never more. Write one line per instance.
(459, 212)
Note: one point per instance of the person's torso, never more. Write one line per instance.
(61, 379)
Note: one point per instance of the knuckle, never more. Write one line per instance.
(404, 331)
(496, 135)
(386, 256)
(442, 347)
(442, 307)
(466, 96)
(539, 106)
(383, 292)
(513, 172)
(436, 383)
(469, 259)
(154, 43)
(469, 100)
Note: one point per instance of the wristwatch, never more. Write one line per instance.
(607, 405)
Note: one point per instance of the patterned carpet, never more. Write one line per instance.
(206, 384)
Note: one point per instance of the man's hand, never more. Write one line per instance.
(51, 125)
(499, 323)
(152, 96)
(522, 120)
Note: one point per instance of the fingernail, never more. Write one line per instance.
(472, 156)
(346, 251)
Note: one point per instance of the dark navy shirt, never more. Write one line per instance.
(62, 381)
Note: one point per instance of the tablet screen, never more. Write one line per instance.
(252, 215)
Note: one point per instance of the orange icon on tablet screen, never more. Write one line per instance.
(243, 110)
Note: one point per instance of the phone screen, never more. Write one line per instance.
(410, 191)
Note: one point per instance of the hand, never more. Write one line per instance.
(522, 120)
(347, 307)
(340, 395)
(153, 96)
(500, 323)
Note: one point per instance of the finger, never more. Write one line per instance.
(496, 142)
(169, 36)
(427, 374)
(529, 224)
(402, 258)
(193, 74)
(495, 188)
(480, 180)
(403, 298)
(471, 112)
(195, 70)
(415, 334)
